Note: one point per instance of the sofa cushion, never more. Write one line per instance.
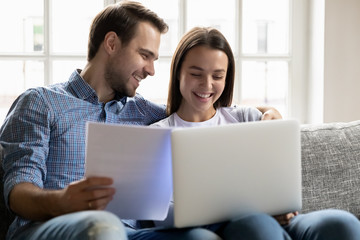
(331, 166)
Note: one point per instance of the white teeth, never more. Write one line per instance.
(203, 95)
(138, 78)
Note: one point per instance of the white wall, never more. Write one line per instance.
(342, 60)
(299, 68)
(315, 103)
(334, 61)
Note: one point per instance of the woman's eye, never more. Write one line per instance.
(218, 77)
(195, 74)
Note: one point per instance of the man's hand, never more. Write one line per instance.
(34, 203)
(90, 193)
(284, 219)
(269, 113)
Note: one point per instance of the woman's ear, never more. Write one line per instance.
(111, 42)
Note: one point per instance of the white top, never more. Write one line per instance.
(223, 115)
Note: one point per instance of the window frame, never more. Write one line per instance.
(47, 56)
(297, 83)
(296, 58)
(297, 75)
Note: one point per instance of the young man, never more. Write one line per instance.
(43, 136)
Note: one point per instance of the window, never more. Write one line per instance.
(45, 40)
(259, 32)
(42, 42)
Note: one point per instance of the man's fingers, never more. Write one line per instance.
(98, 204)
(91, 182)
(98, 181)
(98, 193)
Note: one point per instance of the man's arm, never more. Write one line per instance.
(269, 113)
(31, 202)
(26, 136)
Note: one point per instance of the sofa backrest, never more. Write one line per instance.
(331, 166)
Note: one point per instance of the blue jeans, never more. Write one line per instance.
(319, 225)
(254, 226)
(324, 224)
(89, 225)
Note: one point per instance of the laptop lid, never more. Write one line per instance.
(224, 171)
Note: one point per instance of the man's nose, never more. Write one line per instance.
(150, 69)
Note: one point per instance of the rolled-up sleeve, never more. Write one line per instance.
(24, 138)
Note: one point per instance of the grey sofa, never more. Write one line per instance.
(330, 167)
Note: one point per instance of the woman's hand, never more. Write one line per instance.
(284, 219)
(269, 113)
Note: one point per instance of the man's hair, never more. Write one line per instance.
(209, 37)
(121, 18)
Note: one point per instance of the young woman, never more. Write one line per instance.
(200, 94)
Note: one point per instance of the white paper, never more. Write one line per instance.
(139, 161)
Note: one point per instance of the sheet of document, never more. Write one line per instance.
(139, 161)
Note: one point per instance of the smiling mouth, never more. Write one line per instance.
(203, 95)
(138, 78)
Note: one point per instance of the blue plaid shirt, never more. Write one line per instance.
(43, 136)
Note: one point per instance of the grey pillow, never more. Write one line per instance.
(331, 166)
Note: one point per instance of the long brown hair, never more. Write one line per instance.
(122, 19)
(197, 36)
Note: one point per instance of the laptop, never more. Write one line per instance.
(222, 172)
(214, 173)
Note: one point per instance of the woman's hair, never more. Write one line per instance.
(198, 36)
(122, 19)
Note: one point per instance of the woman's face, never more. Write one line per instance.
(202, 81)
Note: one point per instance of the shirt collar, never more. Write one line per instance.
(81, 88)
(84, 91)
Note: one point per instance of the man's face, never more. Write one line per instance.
(134, 61)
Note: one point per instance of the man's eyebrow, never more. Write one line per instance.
(148, 52)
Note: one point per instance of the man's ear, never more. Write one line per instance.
(111, 42)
